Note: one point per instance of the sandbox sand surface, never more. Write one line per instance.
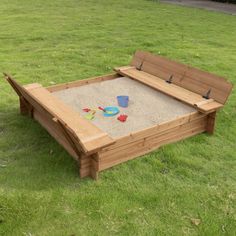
(147, 106)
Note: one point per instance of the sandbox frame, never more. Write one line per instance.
(93, 149)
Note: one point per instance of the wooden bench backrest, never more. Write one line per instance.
(184, 76)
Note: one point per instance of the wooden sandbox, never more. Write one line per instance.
(183, 102)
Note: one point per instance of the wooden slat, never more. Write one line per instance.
(142, 142)
(182, 79)
(204, 102)
(138, 58)
(211, 123)
(133, 150)
(154, 130)
(45, 119)
(209, 107)
(172, 90)
(146, 150)
(82, 128)
(185, 76)
(78, 83)
(68, 136)
(32, 86)
(84, 166)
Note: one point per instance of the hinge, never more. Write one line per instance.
(207, 95)
(140, 66)
(169, 81)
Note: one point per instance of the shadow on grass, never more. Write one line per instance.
(32, 159)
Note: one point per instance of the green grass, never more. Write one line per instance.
(159, 194)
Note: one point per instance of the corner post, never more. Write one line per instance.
(210, 126)
(89, 166)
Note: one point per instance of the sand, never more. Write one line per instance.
(147, 106)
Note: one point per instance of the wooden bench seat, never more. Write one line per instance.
(177, 92)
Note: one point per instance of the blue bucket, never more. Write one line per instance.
(123, 101)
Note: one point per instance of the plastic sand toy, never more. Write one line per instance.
(110, 111)
(123, 101)
(122, 118)
(86, 109)
(90, 115)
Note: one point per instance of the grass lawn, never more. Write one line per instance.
(187, 188)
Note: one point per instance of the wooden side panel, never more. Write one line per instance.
(45, 119)
(90, 136)
(88, 165)
(78, 83)
(187, 77)
(84, 166)
(132, 148)
(154, 130)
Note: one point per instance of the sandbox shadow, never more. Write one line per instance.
(33, 160)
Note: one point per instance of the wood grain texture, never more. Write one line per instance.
(80, 128)
(211, 120)
(185, 76)
(46, 120)
(143, 146)
(78, 83)
(154, 130)
(172, 90)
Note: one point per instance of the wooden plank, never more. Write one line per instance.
(211, 123)
(45, 119)
(122, 68)
(82, 128)
(209, 79)
(78, 83)
(84, 166)
(172, 90)
(202, 77)
(154, 130)
(204, 102)
(68, 136)
(210, 107)
(160, 71)
(138, 58)
(181, 79)
(94, 166)
(142, 142)
(151, 143)
(188, 77)
(152, 137)
(159, 84)
(32, 86)
(142, 147)
(182, 74)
